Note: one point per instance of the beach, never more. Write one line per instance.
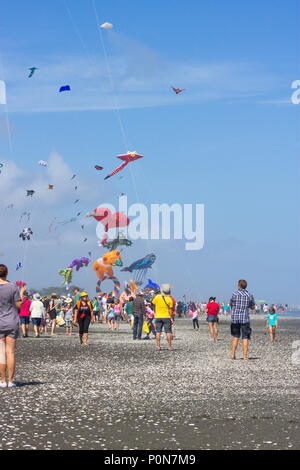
(123, 394)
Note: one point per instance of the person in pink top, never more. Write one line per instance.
(193, 312)
(149, 320)
(117, 313)
(25, 316)
(212, 310)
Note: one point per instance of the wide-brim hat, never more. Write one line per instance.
(37, 297)
(165, 288)
(69, 300)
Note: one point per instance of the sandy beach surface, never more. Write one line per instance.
(122, 394)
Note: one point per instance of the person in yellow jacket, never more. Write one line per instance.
(163, 304)
(83, 317)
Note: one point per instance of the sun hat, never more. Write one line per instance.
(54, 296)
(165, 289)
(69, 300)
(36, 297)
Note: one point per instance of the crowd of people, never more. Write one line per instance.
(152, 312)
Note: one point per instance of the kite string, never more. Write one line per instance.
(6, 108)
(109, 72)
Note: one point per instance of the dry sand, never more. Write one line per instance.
(122, 394)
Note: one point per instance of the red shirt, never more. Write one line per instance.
(212, 308)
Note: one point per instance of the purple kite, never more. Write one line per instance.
(79, 263)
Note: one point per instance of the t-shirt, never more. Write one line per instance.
(37, 309)
(128, 308)
(212, 308)
(272, 319)
(162, 305)
(76, 298)
(9, 318)
(96, 306)
(117, 309)
(25, 308)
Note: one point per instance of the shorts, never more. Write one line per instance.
(13, 333)
(161, 323)
(36, 321)
(68, 324)
(117, 318)
(212, 318)
(52, 314)
(238, 328)
(24, 320)
(111, 316)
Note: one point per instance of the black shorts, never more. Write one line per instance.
(238, 328)
(161, 323)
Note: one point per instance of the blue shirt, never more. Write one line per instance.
(240, 303)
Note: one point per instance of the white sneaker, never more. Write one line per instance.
(11, 384)
(3, 384)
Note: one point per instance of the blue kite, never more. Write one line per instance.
(65, 88)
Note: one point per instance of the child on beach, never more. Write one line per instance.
(110, 316)
(272, 323)
(117, 315)
(68, 317)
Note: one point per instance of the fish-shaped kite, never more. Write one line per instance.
(140, 264)
(50, 186)
(65, 88)
(32, 70)
(127, 158)
(30, 192)
(178, 90)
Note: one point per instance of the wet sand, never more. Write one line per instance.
(122, 394)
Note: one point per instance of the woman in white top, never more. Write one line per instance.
(37, 311)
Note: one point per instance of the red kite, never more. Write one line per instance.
(127, 158)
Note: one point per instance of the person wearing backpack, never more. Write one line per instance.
(83, 316)
(163, 304)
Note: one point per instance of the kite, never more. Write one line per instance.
(76, 187)
(127, 158)
(2, 92)
(79, 213)
(85, 240)
(1, 166)
(98, 167)
(108, 219)
(178, 90)
(19, 266)
(104, 265)
(82, 227)
(74, 176)
(30, 192)
(65, 88)
(67, 274)
(32, 70)
(77, 200)
(141, 267)
(79, 263)
(118, 241)
(26, 234)
(106, 25)
(50, 186)
(152, 285)
(42, 163)
(90, 253)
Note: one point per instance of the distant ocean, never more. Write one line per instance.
(290, 314)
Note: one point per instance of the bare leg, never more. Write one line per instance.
(2, 360)
(85, 339)
(169, 341)
(215, 331)
(158, 341)
(245, 349)
(53, 327)
(234, 344)
(10, 357)
(211, 329)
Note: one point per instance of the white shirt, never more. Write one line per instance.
(37, 309)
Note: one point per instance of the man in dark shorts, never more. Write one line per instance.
(240, 303)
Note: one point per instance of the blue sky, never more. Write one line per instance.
(231, 141)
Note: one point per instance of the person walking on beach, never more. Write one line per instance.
(83, 317)
(193, 312)
(96, 309)
(10, 303)
(53, 308)
(139, 312)
(37, 311)
(68, 315)
(163, 308)
(24, 315)
(212, 310)
(272, 323)
(240, 303)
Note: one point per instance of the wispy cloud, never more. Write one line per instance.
(141, 77)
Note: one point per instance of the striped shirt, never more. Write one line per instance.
(240, 303)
